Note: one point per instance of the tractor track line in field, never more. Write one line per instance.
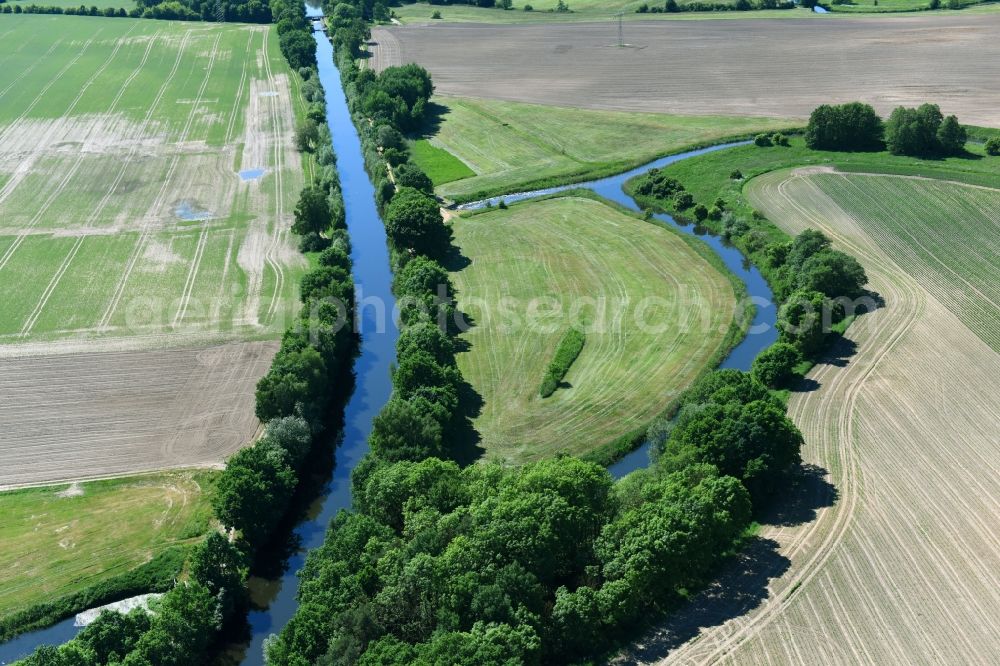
(45, 89)
(199, 252)
(239, 91)
(31, 67)
(51, 287)
(276, 123)
(161, 196)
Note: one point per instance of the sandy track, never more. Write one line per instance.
(905, 566)
(83, 415)
(744, 67)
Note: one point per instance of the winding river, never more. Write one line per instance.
(373, 279)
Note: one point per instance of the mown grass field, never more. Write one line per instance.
(439, 165)
(122, 208)
(655, 312)
(62, 539)
(513, 146)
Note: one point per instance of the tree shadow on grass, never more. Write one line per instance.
(740, 587)
(433, 115)
(466, 448)
(742, 582)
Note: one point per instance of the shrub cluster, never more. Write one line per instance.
(993, 145)
(569, 348)
(672, 6)
(852, 127)
(923, 131)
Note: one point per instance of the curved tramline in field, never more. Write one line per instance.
(150, 219)
(654, 310)
(904, 567)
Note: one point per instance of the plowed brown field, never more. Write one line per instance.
(735, 67)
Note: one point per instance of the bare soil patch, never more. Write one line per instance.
(743, 67)
(86, 415)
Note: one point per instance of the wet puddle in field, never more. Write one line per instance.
(190, 212)
(251, 174)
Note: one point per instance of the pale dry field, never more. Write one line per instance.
(735, 67)
(96, 414)
(905, 566)
(143, 277)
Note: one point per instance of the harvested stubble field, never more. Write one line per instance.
(513, 147)
(93, 414)
(575, 257)
(903, 568)
(58, 540)
(126, 224)
(737, 67)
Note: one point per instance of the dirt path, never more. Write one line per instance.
(905, 566)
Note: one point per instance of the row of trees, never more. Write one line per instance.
(491, 564)
(294, 34)
(253, 493)
(544, 563)
(923, 131)
(816, 285)
(672, 6)
(247, 11)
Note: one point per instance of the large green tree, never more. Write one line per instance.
(413, 220)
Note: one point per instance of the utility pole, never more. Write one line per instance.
(621, 34)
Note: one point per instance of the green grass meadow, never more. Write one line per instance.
(654, 310)
(123, 209)
(513, 146)
(439, 165)
(58, 540)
